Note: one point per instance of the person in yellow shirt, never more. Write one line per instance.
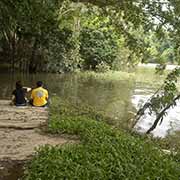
(39, 95)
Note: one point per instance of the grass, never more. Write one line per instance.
(104, 152)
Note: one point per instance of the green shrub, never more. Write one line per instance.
(97, 46)
(62, 54)
(102, 67)
(104, 152)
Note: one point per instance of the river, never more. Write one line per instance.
(117, 98)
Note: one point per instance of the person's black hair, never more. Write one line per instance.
(39, 83)
(18, 85)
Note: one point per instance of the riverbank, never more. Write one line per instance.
(104, 152)
(21, 132)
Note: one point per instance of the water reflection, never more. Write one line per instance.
(142, 92)
(170, 123)
(111, 97)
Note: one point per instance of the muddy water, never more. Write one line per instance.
(116, 98)
(111, 97)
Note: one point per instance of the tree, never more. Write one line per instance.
(25, 26)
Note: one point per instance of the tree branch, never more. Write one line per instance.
(161, 114)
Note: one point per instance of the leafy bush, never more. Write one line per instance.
(62, 55)
(97, 46)
(102, 67)
(104, 152)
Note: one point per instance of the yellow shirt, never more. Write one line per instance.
(39, 96)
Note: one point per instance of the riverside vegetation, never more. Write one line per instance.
(104, 152)
(65, 36)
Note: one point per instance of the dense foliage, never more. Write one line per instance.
(58, 36)
(61, 55)
(102, 153)
(46, 36)
(24, 32)
(97, 47)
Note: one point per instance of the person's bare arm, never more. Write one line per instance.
(47, 95)
(27, 89)
(12, 100)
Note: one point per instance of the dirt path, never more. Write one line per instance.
(20, 144)
(20, 133)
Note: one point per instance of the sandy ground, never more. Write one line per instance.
(20, 144)
(21, 117)
(20, 131)
(20, 134)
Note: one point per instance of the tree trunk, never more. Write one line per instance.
(32, 65)
(13, 52)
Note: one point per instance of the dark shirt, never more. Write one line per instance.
(20, 96)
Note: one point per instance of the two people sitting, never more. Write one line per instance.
(39, 95)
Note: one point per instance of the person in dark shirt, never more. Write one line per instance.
(19, 94)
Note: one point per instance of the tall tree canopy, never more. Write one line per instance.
(29, 30)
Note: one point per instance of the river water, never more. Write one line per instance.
(116, 98)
